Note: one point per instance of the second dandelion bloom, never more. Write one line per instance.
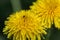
(48, 11)
(23, 25)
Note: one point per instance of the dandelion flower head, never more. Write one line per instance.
(23, 25)
(48, 11)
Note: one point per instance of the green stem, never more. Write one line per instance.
(49, 34)
(16, 5)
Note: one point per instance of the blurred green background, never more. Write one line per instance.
(7, 7)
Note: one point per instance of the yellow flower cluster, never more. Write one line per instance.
(24, 25)
(48, 11)
(31, 24)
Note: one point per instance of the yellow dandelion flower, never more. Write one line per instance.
(48, 11)
(23, 25)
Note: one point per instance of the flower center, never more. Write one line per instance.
(24, 16)
(51, 6)
(26, 20)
